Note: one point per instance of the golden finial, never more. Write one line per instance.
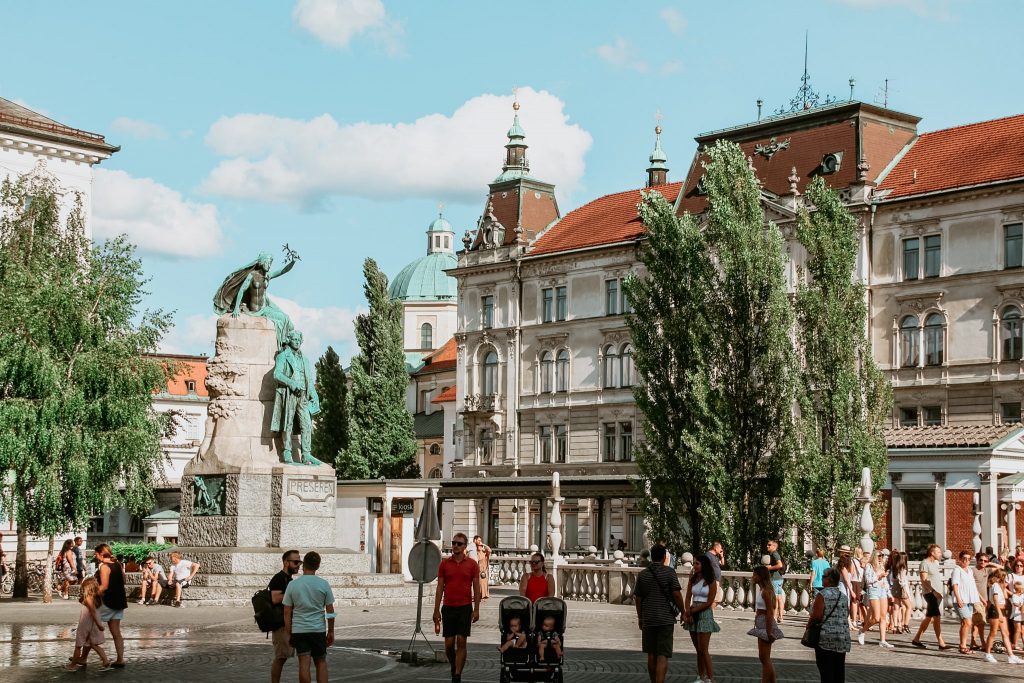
(515, 98)
(657, 121)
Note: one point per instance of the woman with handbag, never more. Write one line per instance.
(699, 616)
(765, 629)
(827, 630)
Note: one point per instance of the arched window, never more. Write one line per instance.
(435, 473)
(1010, 333)
(933, 339)
(910, 342)
(562, 370)
(435, 449)
(627, 365)
(490, 373)
(547, 380)
(426, 336)
(611, 367)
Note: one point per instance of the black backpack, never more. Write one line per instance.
(269, 617)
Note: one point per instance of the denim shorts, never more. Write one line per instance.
(777, 583)
(106, 614)
(874, 593)
(965, 612)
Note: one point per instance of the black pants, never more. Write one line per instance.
(831, 665)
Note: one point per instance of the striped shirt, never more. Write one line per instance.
(655, 587)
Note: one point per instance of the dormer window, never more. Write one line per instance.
(190, 386)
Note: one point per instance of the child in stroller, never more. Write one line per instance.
(549, 620)
(515, 638)
(549, 644)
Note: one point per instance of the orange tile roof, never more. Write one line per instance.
(439, 360)
(609, 219)
(191, 368)
(445, 396)
(948, 436)
(974, 154)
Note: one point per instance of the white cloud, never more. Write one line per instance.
(620, 54)
(436, 156)
(337, 22)
(137, 128)
(156, 218)
(675, 21)
(193, 336)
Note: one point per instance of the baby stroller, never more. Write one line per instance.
(550, 669)
(515, 662)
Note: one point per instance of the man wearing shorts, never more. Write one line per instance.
(965, 591)
(290, 563)
(182, 573)
(775, 565)
(153, 582)
(309, 618)
(458, 585)
(931, 586)
(657, 589)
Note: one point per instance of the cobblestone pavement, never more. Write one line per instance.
(222, 644)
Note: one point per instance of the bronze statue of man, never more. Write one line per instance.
(295, 399)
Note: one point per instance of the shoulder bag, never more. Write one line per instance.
(812, 634)
(666, 592)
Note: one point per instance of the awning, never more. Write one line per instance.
(572, 486)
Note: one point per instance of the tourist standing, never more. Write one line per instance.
(67, 567)
(931, 585)
(1014, 573)
(79, 549)
(698, 615)
(290, 563)
(658, 598)
(997, 618)
(483, 558)
(830, 609)
(874, 586)
(1017, 613)
(899, 580)
(309, 618)
(765, 629)
(458, 587)
(818, 566)
(778, 569)
(113, 597)
(965, 593)
(980, 571)
(182, 573)
(716, 556)
(537, 583)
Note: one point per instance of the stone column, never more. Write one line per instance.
(606, 528)
(990, 509)
(940, 510)
(385, 552)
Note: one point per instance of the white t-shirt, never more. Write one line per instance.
(995, 595)
(182, 570)
(1018, 607)
(968, 588)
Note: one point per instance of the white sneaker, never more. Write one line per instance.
(886, 643)
(860, 638)
(1014, 659)
(989, 658)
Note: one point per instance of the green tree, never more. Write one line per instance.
(330, 426)
(381, 438)
(77, 429)
(845, 399)
(681, 472)
(755, 366)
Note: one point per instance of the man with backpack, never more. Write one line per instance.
(290, 563)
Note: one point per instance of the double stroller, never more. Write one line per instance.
(526, 664)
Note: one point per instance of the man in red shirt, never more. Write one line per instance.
(458, 583)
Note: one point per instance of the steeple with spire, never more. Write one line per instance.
(657, 172)
(440, 235)
(516, 163)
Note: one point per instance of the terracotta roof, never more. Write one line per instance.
(948, 436)
(445, 396)
(440, 360)
(612, 218)
(974, 154)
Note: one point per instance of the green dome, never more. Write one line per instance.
(425, 280)
(440, 225)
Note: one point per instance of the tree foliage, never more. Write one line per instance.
(756, 371)
(330, 426)
(682, 475)
(845, 398)
(381, 438)
(76, 425)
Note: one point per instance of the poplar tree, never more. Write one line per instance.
(330, 426)
(681, 471)
(845, 399)
(754, 363)
(77, 429)
(381, 438)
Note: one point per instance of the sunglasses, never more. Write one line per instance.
(456, 544)
(535, 562)
(295, 561)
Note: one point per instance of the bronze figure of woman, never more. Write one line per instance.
(245, 291)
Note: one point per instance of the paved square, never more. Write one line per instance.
(602, 644)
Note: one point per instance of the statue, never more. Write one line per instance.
(245, 291)
(295, 399)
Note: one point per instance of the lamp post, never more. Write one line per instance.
(866, 524)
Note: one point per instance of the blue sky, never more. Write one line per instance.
(338, 125)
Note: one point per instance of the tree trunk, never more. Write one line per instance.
(48, 574)
(21, 565)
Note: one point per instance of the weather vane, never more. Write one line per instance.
(289, 253)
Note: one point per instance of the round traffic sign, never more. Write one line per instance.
(424, 559)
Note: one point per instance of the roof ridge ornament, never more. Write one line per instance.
(769, 149)
(806, 97)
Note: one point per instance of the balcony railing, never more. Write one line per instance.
(482, 403)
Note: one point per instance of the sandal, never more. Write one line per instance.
(965, 650)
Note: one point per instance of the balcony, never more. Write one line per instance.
(482, 403)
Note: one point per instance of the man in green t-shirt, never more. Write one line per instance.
(309, 618)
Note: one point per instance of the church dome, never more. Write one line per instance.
(440, 225)
(425, 280)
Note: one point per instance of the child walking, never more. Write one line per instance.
(90, 630)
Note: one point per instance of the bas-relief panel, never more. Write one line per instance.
(972, 247)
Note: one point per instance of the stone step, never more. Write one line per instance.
(404, 594)
(257, 581)
(265, 561)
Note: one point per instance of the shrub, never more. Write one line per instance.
(136, 552)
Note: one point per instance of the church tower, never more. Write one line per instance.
(657, 172)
